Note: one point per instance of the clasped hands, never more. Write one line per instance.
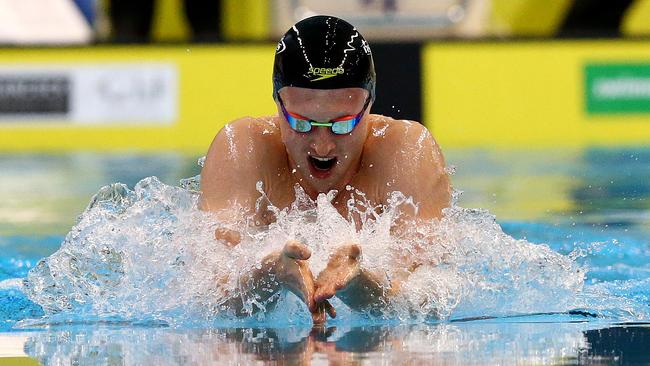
(291, 269)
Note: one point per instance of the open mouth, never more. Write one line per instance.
(322, 164)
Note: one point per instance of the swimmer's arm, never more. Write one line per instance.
(228, 179)
(421, 174)
(424, 178)
(430, 188)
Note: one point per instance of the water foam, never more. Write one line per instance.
(149, 254)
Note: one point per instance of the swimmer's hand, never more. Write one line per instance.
(344, 277)
(285, 269)
(230, 237)
(342, 267)
(292, 271)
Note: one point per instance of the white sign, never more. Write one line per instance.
(379, 19)
(90, 94)
(42, 22)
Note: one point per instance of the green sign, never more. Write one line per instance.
(617, 88)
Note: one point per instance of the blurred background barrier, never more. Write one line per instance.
(41, 22)
(121, 98)
(527, 94)
(476, 72)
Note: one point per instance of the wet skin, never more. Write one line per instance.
(379, 156)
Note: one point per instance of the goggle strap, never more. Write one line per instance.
(344, 118)
(296, 116)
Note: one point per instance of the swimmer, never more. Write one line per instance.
(323, 138)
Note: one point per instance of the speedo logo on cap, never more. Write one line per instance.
(321, 73)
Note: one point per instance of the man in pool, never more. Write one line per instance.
(323, 138)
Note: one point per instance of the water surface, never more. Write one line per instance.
(592, 205)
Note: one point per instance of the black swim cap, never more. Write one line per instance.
(323, 52)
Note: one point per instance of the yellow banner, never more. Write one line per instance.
(525, 94)
(519, 94)
(215, 85)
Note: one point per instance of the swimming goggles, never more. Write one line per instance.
(340, 126)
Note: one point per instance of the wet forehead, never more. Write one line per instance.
(351, 96)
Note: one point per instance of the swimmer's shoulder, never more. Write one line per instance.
(244, 129)
(388, 131)
(253, 127)
(239, 156)
(398, 145)
(245, 149)
(405, 154)
(264, 126)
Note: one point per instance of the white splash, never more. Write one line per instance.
(149, 254)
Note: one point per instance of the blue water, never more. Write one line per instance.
(593, 204)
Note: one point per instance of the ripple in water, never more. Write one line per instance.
(149, 255)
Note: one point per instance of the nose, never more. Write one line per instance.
(322, 143)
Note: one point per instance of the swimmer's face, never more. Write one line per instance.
(324, 160)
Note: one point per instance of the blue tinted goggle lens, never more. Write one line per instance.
(299, 125)
(340, 127)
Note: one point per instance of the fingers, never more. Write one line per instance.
(340, 269)
(319, 316)
(343, 266)
(308, 283)
(354, 251)
(329, 309)
(296, 250)
(324, 292)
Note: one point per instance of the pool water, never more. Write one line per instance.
(592, 205)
